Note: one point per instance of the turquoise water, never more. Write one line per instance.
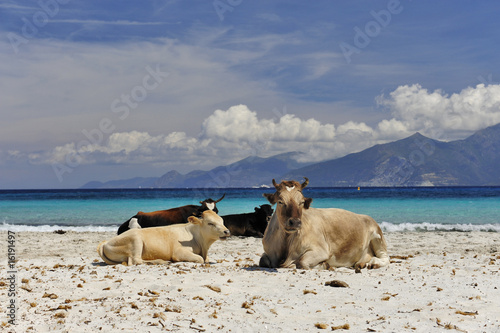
(396, 209)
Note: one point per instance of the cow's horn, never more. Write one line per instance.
(306, 181)
(274, 183)
(221, 198)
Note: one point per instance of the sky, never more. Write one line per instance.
(105, 90)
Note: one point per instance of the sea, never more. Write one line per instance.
(398, 209)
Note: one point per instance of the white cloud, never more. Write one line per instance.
(393, 129)
(353, 127)
(102, 22)
(235, 133)
(129, 142)
(416, 109)
(239, 123)
(250, 134)
(226, 136)
(271, 17)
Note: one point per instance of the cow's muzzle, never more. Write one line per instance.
(225, 235)
(293, 224)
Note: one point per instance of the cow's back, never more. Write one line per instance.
(160, 242)
(155, 242)
(237, 223)
(166, 217)
(161, 218)
(337, 223)
(347, 234)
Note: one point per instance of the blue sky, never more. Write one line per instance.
(102, 90)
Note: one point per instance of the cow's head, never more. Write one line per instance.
(264, 210)
(290, 202)
(210, 204)
(263, 215)
(211, 224)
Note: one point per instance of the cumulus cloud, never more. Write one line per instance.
(227, 135)
(238, 132)
(239, 123)
(416, 109)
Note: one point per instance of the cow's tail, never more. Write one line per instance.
(100, 250)
(379, 247)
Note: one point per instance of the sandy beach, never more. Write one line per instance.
(436, 281)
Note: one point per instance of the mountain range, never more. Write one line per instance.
(414, 161)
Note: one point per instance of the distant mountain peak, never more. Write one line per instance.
(413, 161)
(416, 136)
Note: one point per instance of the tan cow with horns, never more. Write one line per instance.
(302, 237)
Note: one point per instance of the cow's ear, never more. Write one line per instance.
(307, 203)
(270, 197)
(194, 220)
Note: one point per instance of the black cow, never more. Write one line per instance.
(249, 224)
(161, 218)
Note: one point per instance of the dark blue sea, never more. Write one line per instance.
(395, 209)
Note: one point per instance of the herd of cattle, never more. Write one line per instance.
(295, 235)
(249, 224)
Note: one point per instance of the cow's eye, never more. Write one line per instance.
(281, 203)
(211, 224)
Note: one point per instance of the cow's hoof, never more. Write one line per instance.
(373, 266)
(264, 261)
(359, 266)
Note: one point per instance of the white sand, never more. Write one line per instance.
(450, 280)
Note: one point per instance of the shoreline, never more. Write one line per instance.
(436, 280)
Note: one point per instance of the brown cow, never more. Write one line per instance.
(303, 237)
(170, 216)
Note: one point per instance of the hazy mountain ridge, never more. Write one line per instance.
(413, 161)
(252, 171)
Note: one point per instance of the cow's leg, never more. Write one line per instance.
(131, 261)
(269, 261)
(379, 249)
(377, 262)
(265, 261)
(157, 262)
(134, 261)
(311, 259)
(252, 232)
(289, 263)
(365, 259)
(135, 247)
(183, 254)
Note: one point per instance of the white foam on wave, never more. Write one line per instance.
(425, 226)
(52, 228)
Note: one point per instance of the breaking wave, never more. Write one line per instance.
(52, 228)
(425, 226)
